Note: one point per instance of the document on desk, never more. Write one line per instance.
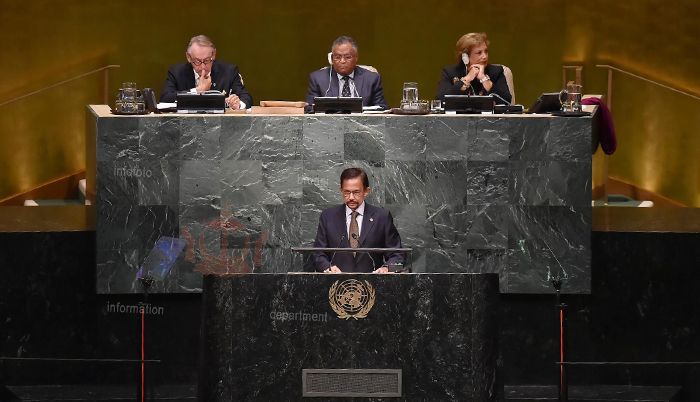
(374, 110)
(167, 105)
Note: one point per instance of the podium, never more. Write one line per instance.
(413, 337)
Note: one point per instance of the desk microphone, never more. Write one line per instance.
(342, 238)
(501, 98)
(354, 86)
(374, 263)
(330, 70)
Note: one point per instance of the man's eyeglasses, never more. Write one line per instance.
(355, 193)
(339, 57)
(198, 62)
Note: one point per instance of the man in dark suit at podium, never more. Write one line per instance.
(356, 224)
(203, 73)
(345, 78)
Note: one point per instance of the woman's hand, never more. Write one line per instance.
(484, 79)
(472, 72)
(480, 70)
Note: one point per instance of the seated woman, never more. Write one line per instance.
(473, 75)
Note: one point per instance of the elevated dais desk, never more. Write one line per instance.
(509, 194)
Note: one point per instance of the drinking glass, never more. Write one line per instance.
(570, 98)
(410, 92)
(130, 99)
(574, 97)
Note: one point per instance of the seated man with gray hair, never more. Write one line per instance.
(345, 78)
(203, 73)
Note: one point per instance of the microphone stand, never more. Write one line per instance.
(146, 283)
(563, 385)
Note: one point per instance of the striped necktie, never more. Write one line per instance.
(346, 87)
(354, 230)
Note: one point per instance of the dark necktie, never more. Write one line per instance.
(354, 231)
(346, 87)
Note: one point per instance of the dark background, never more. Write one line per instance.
(643, 307)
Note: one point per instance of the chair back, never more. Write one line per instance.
(370, 68)
(509, 81)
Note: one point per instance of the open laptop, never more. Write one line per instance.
(546, 103)
(469, 104)
(207, 102)
(334, 104)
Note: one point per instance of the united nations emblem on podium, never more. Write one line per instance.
(351, 298)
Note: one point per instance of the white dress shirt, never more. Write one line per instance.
(348, 217)
(351, 81)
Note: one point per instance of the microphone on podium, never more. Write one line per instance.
(342, 237)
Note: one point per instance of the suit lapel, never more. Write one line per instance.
(341, 219)
(189, 77)
(368, 222)
(333, 83)
(359, 82)
(214, 76)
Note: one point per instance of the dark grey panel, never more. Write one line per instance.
(199, 138)
(490, 140)
(487, 183)
(160, 138)
(448, 139)
(546, 242)
(550, 183)
(117, 138)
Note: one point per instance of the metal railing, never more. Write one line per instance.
(578, 71)
(612, 69)
(105, 84)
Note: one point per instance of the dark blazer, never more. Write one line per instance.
(378, 230)
(447, 85)
(224, 77)
(367, 83)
